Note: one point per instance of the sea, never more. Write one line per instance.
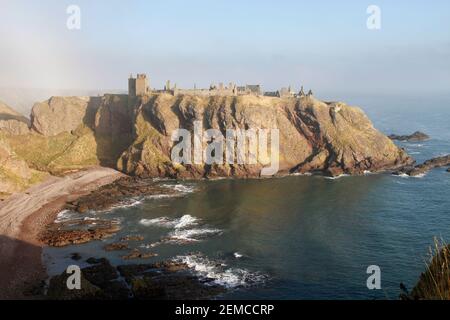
(298, 237)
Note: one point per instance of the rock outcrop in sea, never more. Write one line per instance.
(423, 168)
(133, 135)
(416, 136)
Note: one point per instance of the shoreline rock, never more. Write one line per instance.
(137, 254)
(132, 238)
(116, 246)
(78, 230)
(423, 168)
(63, 234)
(119, 191)
(166, 280)
(416, 136)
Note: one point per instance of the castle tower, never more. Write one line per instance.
(131, 86)
(138, 86)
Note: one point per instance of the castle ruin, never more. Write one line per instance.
(139, 86)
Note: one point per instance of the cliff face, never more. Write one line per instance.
(61, 114)
(314, 136)
(70, 133)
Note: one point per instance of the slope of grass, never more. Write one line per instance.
(434, 283)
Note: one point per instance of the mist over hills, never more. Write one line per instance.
(23, 99)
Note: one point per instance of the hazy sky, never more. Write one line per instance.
(324, 45)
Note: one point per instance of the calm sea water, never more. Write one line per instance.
(302, 237)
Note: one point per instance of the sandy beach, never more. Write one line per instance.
(22, 217)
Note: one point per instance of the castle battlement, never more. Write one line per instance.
(140, 86)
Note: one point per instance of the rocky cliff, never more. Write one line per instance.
(331, 138)
(69, 133)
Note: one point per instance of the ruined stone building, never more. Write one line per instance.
(250, 89)
(216, 90)
(138, 86)
(288, 92)
(301, 93)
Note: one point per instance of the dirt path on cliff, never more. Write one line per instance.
(22, 217)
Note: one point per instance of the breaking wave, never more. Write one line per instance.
(132, 202)
(337, 177)
(191, 235)
(220, 273)
(301, 174)
(66, 215)
(183, 222)
(401, 175)
(185, 230)
(180, 187)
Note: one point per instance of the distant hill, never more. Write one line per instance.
(11, 121)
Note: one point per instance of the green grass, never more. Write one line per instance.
(39, 151)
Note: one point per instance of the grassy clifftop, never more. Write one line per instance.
(67, 133)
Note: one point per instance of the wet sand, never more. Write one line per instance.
(23, 215)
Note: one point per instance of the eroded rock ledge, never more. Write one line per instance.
(426, 166)
(120, 191)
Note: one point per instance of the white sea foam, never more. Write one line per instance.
(301, 174)
(191, 235)
(404, 175)
(180, 187)
(220, 273)
(160, 196)
(183, 222)
(185, 230)
(65, 215)
(90, 219)
(132, 202)
(419, 175)
(401, 175)
(337, 177)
